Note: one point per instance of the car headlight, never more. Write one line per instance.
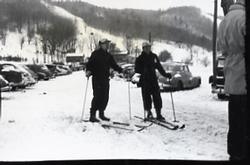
(177, 75)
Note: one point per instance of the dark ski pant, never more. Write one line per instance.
(149, 92)
(101, 95)
(238, 133)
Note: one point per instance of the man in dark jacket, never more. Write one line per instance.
(145, 67)
(98, 66)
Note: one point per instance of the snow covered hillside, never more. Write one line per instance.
(12, 47)
(42, 123)
(84, 40)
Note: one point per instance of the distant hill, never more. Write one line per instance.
(180, 24)
(33, 17)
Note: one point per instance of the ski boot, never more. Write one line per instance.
(102, 116)
(159, 116)
(93, 117)
(149, 114)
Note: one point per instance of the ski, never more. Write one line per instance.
(180, 125)
(120, 125)
(159, 123)
(116, 127)
(143, 127)
(111, 122)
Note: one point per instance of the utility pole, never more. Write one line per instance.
(0, 98)
(149, 37)
(214, 40)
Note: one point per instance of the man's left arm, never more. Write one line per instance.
(161, 69)
(114, 65)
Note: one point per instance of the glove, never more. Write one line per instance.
(88, 73)
(125, 73)
(168, 75)
(136, 78)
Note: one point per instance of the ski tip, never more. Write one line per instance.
(175, 128)
(183, 126)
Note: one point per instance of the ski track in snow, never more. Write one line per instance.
(42, 123)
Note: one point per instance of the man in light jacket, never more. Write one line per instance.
(231, 41)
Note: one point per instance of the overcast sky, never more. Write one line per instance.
(205, 5)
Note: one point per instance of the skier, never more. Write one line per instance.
(145, 75)
(231, 41)
(98, 66)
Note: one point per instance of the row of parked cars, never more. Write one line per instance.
(182, 77)
(15, 75)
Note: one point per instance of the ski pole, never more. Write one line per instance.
(0, 102)
(85, 96)
(172, 100)
(129, 100)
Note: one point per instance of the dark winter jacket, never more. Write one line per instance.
(146, 64)
(100, 63)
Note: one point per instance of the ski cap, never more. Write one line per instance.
(145, 44)
(104, 40)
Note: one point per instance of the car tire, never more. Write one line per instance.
(199, 82)
(221, 96)
(179, 86)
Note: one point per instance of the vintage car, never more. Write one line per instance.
(217, 84)
(65, 68)
(4, 84)
(129, 69)
(41, 70)
(181, 77)
(19, 78)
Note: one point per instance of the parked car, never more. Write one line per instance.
(217, 85)
(4, 84)
(41, 70)
(65, 67)
(181, 79)
(13, 75)
(76, 66)
(53, 69)
(30, 78)
(129, 69)
(33, 74)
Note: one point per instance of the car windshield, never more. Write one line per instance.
(172, 68)
(8, 67)
(44, 67)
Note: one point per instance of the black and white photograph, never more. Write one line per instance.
(123, 80)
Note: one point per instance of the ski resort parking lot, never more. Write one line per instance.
(42, 123)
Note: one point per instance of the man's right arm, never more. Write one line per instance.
(138, 66)
(138, 71)
(90, 65)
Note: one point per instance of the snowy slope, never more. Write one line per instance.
(42, 123)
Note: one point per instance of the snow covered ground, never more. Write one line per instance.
(42, 123)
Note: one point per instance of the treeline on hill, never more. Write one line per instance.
(181, 24)
(56, 33)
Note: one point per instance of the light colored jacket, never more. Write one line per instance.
(231, 41)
